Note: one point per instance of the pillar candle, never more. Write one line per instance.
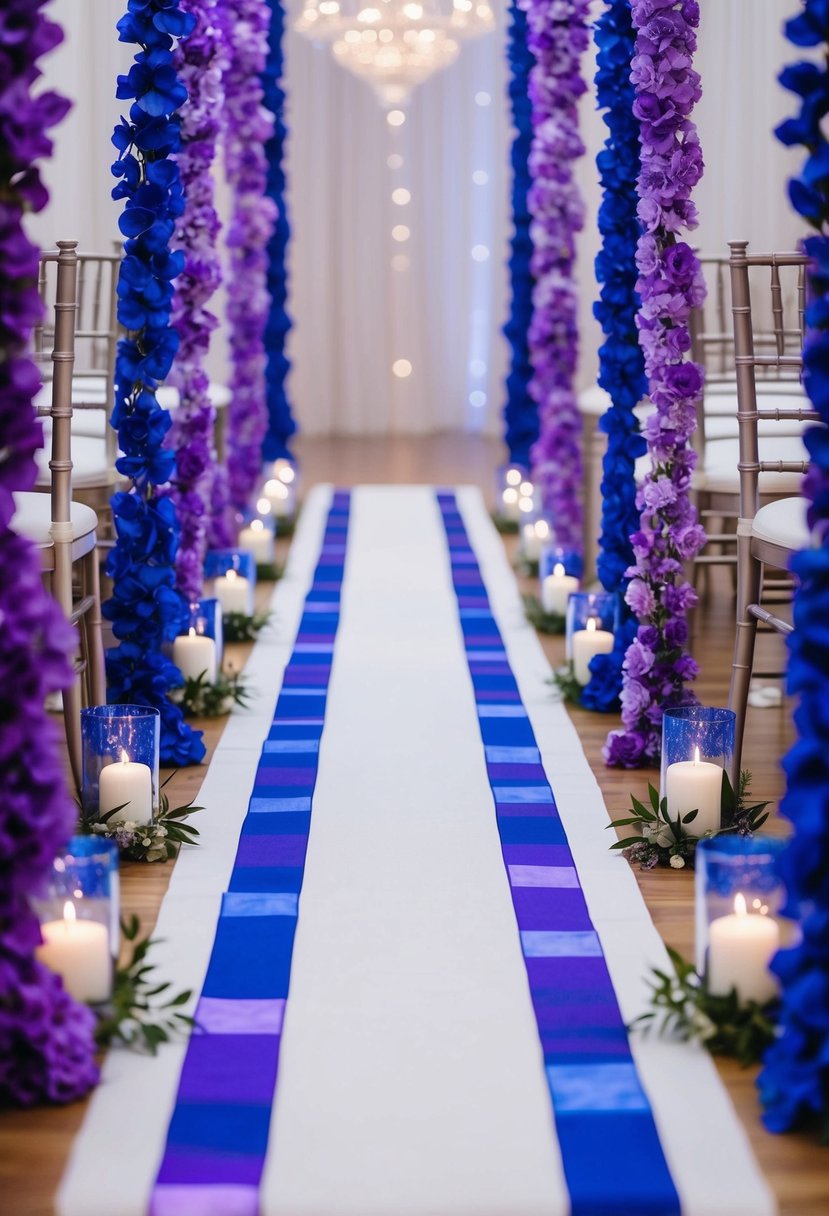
(509, 501)
(194, 654)
(740, 947)
(279, 496)
(235, 593)
(695, 785)
(78, 951)
(258, 540)
(556, 590)
(126, 782)
(587, 643)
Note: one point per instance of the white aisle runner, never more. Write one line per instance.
(411, 1080)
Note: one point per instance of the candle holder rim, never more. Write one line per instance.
(728, 845)
(120, 710)
(82, 848)
(700, 713)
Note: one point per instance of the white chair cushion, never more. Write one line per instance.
(219, 396)
(33, 517)
(720, 473)
(90, 466)
(721, 411)
(788, 387)
(783, 523)
(84, 388)
(593, 401)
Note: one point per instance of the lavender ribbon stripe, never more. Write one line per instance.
(596, 1094)
(218, 1133)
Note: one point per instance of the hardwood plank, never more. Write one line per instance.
(34, 1145)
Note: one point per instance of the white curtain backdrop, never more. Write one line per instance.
(362, 300)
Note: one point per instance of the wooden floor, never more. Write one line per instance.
(34, 1145)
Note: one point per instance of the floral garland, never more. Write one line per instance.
(46, 1038)
(199, 61)
(657, 664)
(146, 609)
(621, 364)
(520, 410)
(248, 127)
(281, 425)
(557, 36)
(794, 1084)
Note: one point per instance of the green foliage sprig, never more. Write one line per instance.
(683, 1008)
(527, 567)
(544, 622)
(269, 572)
(199, 699)
(158, 840)
(566, 685)
(658, 840)
(137, 1016)
(507, 527)
(239, 627)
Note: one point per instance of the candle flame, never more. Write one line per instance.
(513, 477)
(256, 525)
(525, 504)
(510, 495)
(192, 631)
(286, 474)
(124, 757)
(526, 489)
(591, 624)
(69, 912)
(263, 506)
(740, 908)
(542, 529)
(696, 755)
(558, 569)
(230, 576)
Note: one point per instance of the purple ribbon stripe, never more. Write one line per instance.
(218, 1134)
(598, 1101)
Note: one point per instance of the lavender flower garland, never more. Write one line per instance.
(200, 61)
(46, 1038)
(248, 127)
(657, 664)
(557, 36)
(794, 1082)
(281, 425)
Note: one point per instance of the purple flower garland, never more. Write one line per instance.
(46, 1038)
(657, 664)
(200, 61)
(557, 36)
(248, 127)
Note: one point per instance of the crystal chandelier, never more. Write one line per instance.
(394, 44)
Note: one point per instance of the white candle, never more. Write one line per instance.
(126, 782)
(587, 643)
(530, 543)
(279, 496)
(509, 498)
(235, 593)
(284, 470)
(556, 590)
(258, 540)
(78, 951)
(740, 948)
(194, 654)
(695, 785)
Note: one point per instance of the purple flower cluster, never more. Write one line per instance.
(46, 1039)
(248, 127)
(558, 36)
(200, 61)
(657, 665)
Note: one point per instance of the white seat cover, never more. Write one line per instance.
(33, 517)
(722, 456)
(90, 466)
(783, 523)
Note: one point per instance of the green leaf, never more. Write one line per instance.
(691, 816)
(625, 844)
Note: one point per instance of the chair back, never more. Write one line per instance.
(768, 293)
(59, 286)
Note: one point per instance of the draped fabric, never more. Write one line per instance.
(354, 314)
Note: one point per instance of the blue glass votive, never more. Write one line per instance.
(78, 909)
(697, 745)
(120, 745)
(512, 488)
(553, 554)
(591, 622)
(234, 579)
(737, 906)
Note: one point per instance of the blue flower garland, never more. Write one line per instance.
(621, 362)
(145, 608)
(281, 425)
(794, 1083)
(520, 410)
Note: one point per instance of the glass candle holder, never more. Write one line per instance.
(78, 909)
(233, 575)
(590, 624)
(554, 554)
(697, 746)
(534, 534)
(738, 900)
(120, 762)
(206, 618)
(281, 495)
(258, 538)
(287, 471)
(513, 493)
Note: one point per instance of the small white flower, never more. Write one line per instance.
(677, 862)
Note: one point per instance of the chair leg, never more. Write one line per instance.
(749, 577)
(72, 726)
(93, 636)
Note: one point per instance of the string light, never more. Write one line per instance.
(401, 368)
(401, 196)
(400, 232)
